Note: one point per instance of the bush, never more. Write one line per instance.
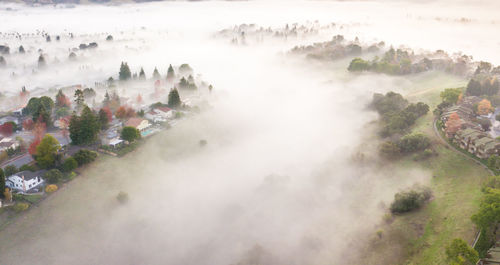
(414, 142)
(406, 201)
(122, 197)
(21, 207)
(27, 167)
(10, 170)
(51, 188)
(84, 156)
(69, 164)
(389, 150)
(130, 134)
(53, 176)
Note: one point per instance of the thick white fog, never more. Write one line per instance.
(279, 182)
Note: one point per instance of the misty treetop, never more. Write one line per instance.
(174, 100)
(397, 114)
(124, 73)
(83, 129)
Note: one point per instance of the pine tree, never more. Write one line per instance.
(142, 75)
(2, 183)
(106, 100)
(156, 74)
(2, 61)
(79, 98)
(174, 99)
(41, 62)
(124, 73)
(21, 49)
(84, 129)
(170, 74)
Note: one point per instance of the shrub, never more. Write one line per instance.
(414, 142)
(130, 134)
(389, 150)
(84, 156)
(10, 170)
(406, 201)
(51, 188)
(27, 167)
(122, 197)
(21, 207)
(69, 164)
(53, 176)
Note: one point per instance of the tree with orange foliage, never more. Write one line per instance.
(28, 124)
(38, 132)
(7, 129)
(124, 112)
(139, 98)
(453, 125)
(62, 100)
(484, 107)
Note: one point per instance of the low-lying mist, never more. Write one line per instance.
(288, 175)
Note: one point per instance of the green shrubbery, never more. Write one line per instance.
(84, 156)
(53, 176)
(406, 201)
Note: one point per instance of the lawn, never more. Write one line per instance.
(421, 237)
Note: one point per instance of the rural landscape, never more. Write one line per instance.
(217, 132)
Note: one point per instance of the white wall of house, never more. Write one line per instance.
(16, 182)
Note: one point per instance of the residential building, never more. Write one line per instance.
(25, 181)
(138, 123)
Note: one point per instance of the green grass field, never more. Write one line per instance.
(421, 237)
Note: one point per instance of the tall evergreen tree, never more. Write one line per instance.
(2, 61)
(142, 75)
(170, 74)
(106, 100)
(84, 129)
(79, 98)
(103, 119)
(41, 62)
(156, 74)
(2, 183)
(174, 99)
(21, 49)
(124, 73)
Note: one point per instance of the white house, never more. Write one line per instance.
(160, 114)
(25, 181)
(138, 123)
(6, 143)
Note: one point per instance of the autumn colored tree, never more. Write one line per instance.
(6, 129)
(139, 99)
(28, 124)
(124, 112)
(453, 124)
(38, 133)
(62, 100)
(484, 107)
(104, 117)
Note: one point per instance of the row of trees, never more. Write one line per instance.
(125, 74)
(410, 143)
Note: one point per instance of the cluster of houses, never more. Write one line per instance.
(470, 136)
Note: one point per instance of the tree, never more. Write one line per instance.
(122, 197)
(7, 195)
(69, 164)
(6, 129)
(409, 200)
(62, 100)
(28, 124)
(451, 95)
(174, 99)
(453, 124)
(142, 75)
(84, 156)
(84, 129)
(130, 134)
(459, 253)
(104, 118)
(358, 65)
(107, 100)
(21, 49)
(185, 69)
(124, 112)
(156, 74)
(2, 182)
(53, 176)
(484, 107)
(389, 150)
(124, 73)
(414, 142)
(46, 151)
(10, 170)
(41, 62)
(3, 63)
(79, 98)
(170, 74)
